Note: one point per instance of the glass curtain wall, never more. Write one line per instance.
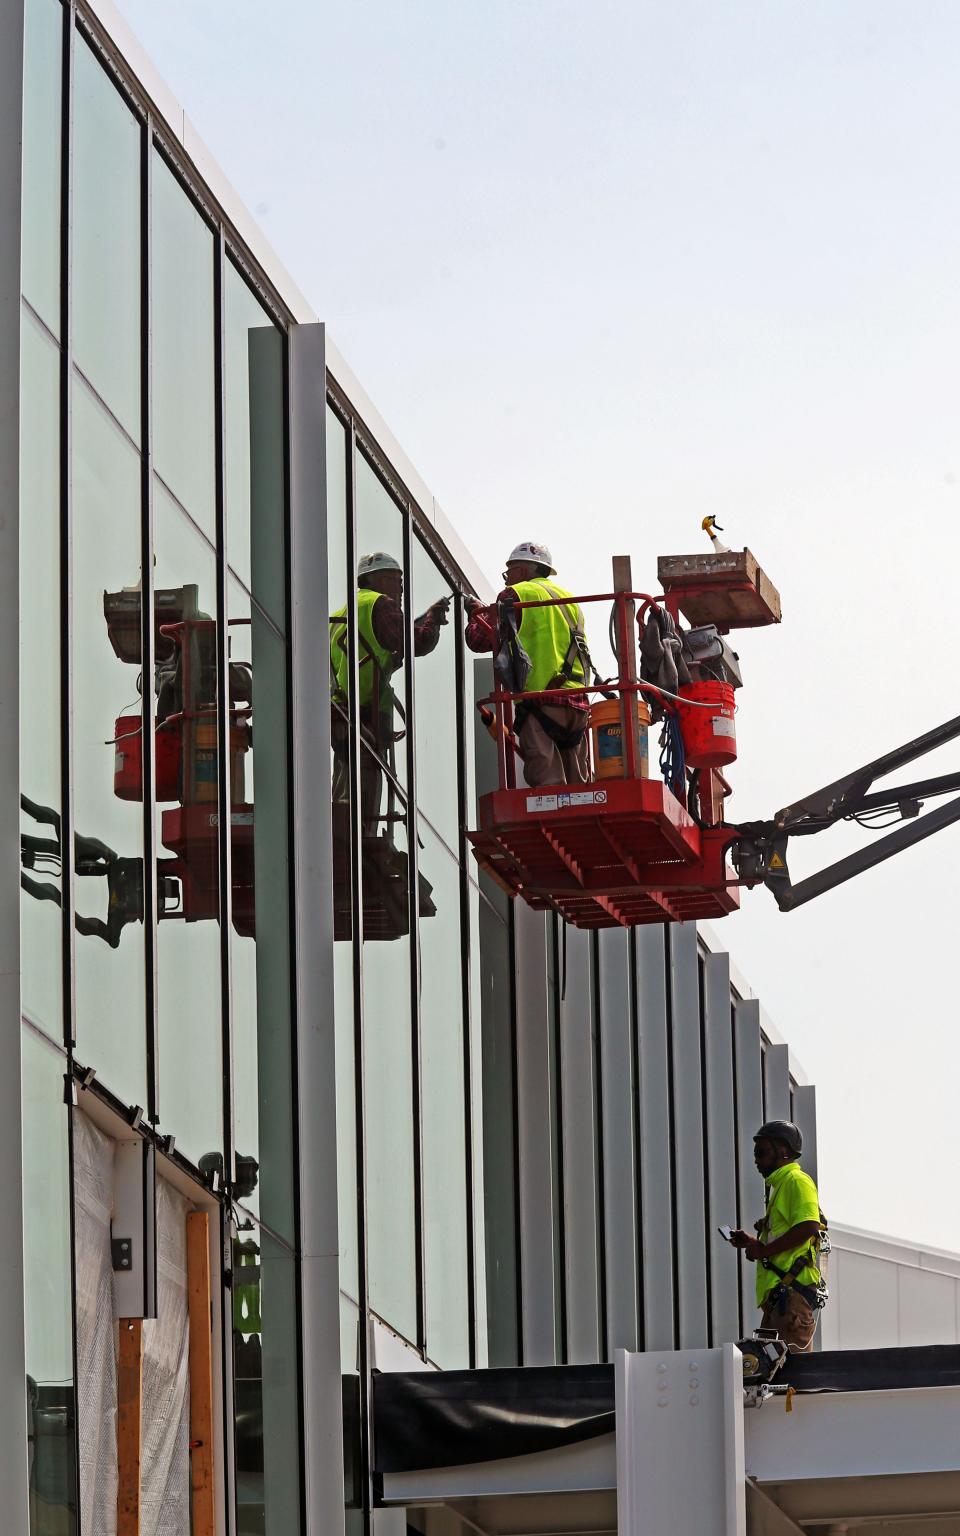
(405, 916)
(155, 884)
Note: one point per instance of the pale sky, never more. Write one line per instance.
(607, 268)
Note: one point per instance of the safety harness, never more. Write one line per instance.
(814, 1295)
(514, 664)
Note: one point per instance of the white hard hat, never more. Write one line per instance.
(378, 561)
(537, 554)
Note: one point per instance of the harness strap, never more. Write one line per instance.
(559, 734)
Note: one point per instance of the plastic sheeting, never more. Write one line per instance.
(165, 1432)
(96, 1329)
(165, 1477)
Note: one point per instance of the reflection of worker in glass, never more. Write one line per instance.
(380, 637)
(535, 650)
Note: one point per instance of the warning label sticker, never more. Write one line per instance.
(776, 862)
(566, 799)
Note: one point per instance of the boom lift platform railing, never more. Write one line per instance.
(630, 850)
(615, 851)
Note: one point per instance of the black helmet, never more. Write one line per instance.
(784, 1131)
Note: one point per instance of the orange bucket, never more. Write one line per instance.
(709, 734)
(606, 728)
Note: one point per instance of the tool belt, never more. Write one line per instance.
(814, 1295)
(559, 734)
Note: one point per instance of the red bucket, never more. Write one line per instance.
(709, 734)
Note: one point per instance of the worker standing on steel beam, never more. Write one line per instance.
(536, 650)
(786, 1249)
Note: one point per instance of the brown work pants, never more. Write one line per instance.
(796, 1324)
(546, 763)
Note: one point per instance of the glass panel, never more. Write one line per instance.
(444, 1119)
(260, 934)
(188, 944)
(107, 789)
(105, 255)
(382, 691)
(388, 1078)
(40, 940)
(40, 230)
(499, 1132)
(266, 1386)
(342, 881)
(49, 1292)
(253, 382)
(182, 324)
(349, 1366)
(435, 696)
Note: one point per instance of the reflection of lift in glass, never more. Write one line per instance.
(186, 753)
(385, 867)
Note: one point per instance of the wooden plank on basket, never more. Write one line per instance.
(129, 1412)
(201, 1375)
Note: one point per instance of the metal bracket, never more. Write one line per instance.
(121, 1253)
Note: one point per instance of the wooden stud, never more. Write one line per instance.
(129, 1410)
(201, 1375)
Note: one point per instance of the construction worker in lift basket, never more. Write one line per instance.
(786, 1249)
(380, 633)
(536, 649)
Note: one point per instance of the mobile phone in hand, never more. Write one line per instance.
(726, 1233)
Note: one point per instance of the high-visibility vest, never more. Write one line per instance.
(373, 656)
(246, 1290)
(550, 638)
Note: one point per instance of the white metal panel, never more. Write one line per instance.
(867, 1301)
(579, 1153)
(805, 1115)
(926, 1307)
(535, 1117)
(680, 1443)
(689, 1194)
(776, 1083)
(312, 913)
(618, 1091)
(656, 1180)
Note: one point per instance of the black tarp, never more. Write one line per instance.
(452, 1418)
(445, 1418)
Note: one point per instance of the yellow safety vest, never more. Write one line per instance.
(373, 656)
(792, 1198)
(549, 637)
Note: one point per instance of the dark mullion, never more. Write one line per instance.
(602, 1320)
(67, 851)
(67, 845)
(555, 938)
(356, 891)
(224, 823)
(515, 1087)
(465, 966)
(224, 820)
(637, 1067)
(147, 646)
(413, 900)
